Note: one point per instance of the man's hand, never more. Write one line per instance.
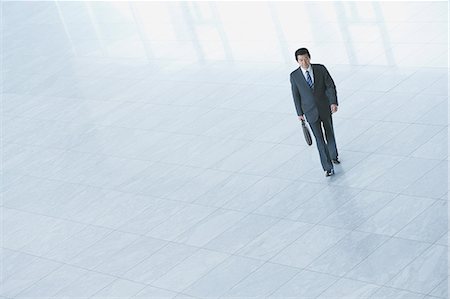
(334, 108)
(301, 117)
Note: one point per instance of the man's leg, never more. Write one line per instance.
(325, 159)
(329, 135)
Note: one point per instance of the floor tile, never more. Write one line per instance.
(155, 148)
(387, 261)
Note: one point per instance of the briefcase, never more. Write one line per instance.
(306, 133)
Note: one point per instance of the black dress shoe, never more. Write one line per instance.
(336, 161)
(329, 172)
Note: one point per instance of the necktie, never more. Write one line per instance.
(309, 80)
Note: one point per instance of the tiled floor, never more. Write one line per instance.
(152, 150)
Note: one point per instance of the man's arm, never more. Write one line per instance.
(297, 99)
(330, 88)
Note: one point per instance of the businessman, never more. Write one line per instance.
(315, 97)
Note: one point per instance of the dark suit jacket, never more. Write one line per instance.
(314, 102)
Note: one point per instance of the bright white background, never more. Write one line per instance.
(152, 149)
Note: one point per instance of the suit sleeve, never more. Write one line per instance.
(330, 88)
(297, 97)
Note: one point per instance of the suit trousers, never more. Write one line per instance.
(327, 149)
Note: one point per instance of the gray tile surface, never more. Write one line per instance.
(152, 150)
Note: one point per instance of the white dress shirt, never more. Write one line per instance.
(310, 73)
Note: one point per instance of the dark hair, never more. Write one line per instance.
(301, 51)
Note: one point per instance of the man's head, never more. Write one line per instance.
(302, 56)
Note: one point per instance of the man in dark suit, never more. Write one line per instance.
(315, 97)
